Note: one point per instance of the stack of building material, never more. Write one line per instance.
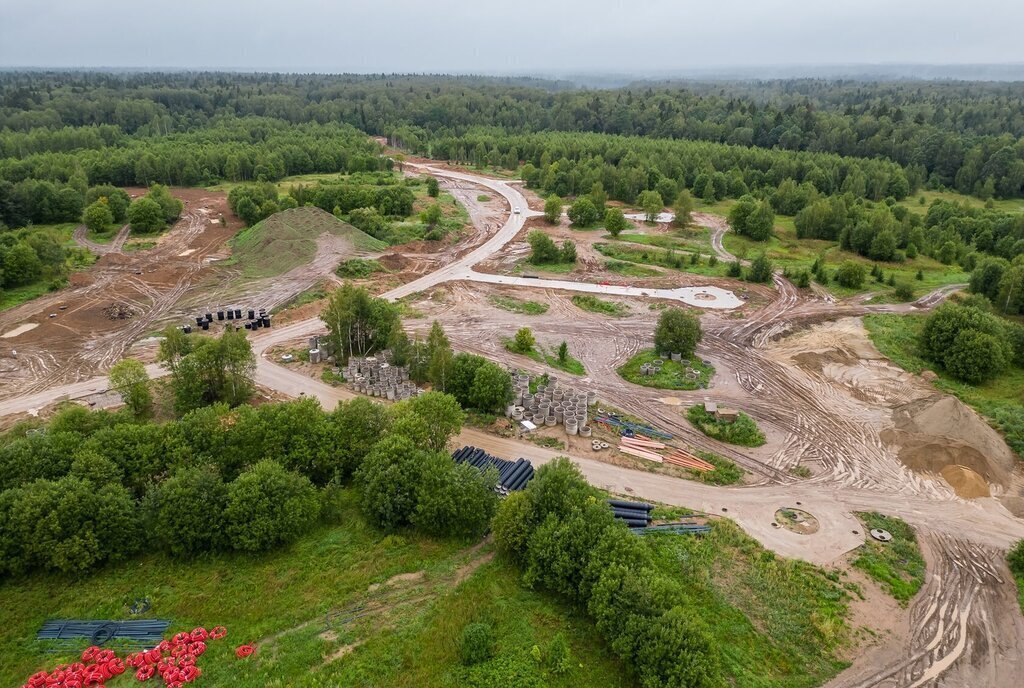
(635, 514)
(627, 428)
(512, 475)
(677, 528)
(642, 447)
(684, 459)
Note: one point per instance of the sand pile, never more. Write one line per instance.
(965, 482)
(939, 432)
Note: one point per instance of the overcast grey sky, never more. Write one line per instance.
(528, 36)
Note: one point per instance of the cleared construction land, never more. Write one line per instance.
(846, 430)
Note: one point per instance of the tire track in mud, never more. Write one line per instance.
(965, 628)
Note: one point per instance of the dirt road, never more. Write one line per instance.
(81, 238)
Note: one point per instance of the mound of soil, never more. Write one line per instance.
(965, 482)
(940, 431)
(395, 262)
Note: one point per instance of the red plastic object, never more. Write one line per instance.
(197, 648)
(89, 653)
(198, 634)
(218, 632)
(244, 651)
(145, 673)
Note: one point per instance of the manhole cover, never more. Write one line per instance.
(881, 535)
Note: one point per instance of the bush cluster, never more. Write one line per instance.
(566, 540)
(971, 344)
(743, 431)
(98, 486)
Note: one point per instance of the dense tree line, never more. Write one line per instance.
(955, 134)
(98, 487)
(566, 540)
(971, 343)
(28, 255)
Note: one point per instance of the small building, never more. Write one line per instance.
(727, 415)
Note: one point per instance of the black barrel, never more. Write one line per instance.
(231, 314)
(206, 325)
(187, 329)
(248, 326)
(238, 314)
(266, 321)
(252, 314)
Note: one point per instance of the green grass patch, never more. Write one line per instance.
(671, 376)
(726, 472)
(540, 354)
(527, 267)
(665, 258)
(780, 623)
(596, 305)
(309, 296)
(512, 305)
(358, 268)
(897, 565)
(138, 245)
(743, 431)
(998, 400)
(786, 251)
(913, 202)
(483, 198)
(281, 599)
(620, 267)
(15, 296)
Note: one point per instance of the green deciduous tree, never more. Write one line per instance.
(440, 412)
(433, 188)
(492, 388)
(268, 506)
(752, 218)
(615, 222)
(544, 251)
(358, 323)
(97, 216)
(145, 215)
(389, 478)
(553, 209)
(185, 511)
(677, 332)
(683, 210)
(129, 378)
(583, 213)
(651, 203)
(215, 370)
(524, 341)
(851, 274)
(761, 269)
(455, 500)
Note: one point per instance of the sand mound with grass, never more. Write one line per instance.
(940, 431)
(290, 238)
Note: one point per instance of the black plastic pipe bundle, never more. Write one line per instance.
(635, 514)
(512, 475)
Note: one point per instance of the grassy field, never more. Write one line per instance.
(281, 600)
(779, 622)
(512, 305)
(786, 251)
(526, 267)
(1000, 400)
(897, 565)
(913, 202)
(669, 258)
(596, 305)
(541, 354)
(358, 268)
(78, 259)
(672, 375)
(626, 269)
(287, 240)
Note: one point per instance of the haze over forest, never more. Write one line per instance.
(657, 39)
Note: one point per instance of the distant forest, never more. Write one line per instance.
(827, 148)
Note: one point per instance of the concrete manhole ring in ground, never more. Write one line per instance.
(881, 535)
(704, 296)
(796, 520)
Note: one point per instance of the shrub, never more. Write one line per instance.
(971, 344)
(558, 656)
(543, 248)
(583, 212)
(389, 478)
(476, 644)
(615, 222)
(492, 388)
(904, 291)
(677, 332)
(268, 506)
(524, 341)
(760, 269)
(743, 431)
(185, 511)
(850, 274)
(455, 499)
(1015, 559)
(553, 209)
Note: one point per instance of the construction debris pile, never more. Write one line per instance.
(512, 475)
(646, 448)
(119, 311)
(375, 376)
(551, 404)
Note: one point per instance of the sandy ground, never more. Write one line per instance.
(801, 365)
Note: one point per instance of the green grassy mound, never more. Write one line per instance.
(743, 431)
(897, 565)
(287, 240)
